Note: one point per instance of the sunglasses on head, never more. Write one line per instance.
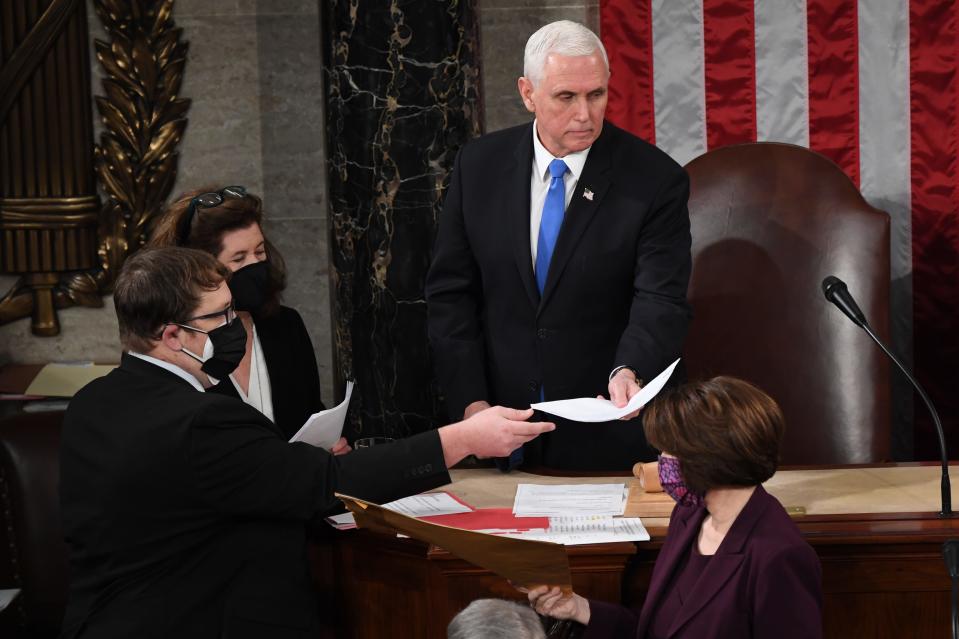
(207, 200)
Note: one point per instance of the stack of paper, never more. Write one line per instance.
(535, 500)
(573, 531)
(525, 562)
(428, 505)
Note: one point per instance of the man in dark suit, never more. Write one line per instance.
(185, 511)
(562, 259)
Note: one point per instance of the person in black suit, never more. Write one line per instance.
(278, 374)
(185, 512)
(562, 259)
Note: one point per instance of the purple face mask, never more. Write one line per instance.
(671, 479)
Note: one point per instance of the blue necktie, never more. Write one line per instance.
(553, 211)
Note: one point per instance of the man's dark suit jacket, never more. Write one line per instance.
(615, 293)
(185, 512)
(291, 364)
(763, 581)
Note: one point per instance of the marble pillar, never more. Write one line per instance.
(402, 84)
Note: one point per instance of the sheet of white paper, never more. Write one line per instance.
(323, 429)
(536, 500)
(415, 506)
(7, 597)
(427, 505)
(574, 531)
(346, 521)
(591, 409)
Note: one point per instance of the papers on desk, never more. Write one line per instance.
(591, 409)
(576, 500)
(427, 505)
(575, 531)
(525, 562)
(65, 379)
(324, 429)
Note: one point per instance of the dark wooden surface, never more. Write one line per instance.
(883, 576)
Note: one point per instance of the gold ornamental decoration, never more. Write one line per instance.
(54, 234)
(144, 120)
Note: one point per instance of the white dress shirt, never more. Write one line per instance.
(173, 368)
(539, 184)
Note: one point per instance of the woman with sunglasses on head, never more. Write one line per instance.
(278, 374)
(733, 564)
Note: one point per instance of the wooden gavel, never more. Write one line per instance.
(648, 475)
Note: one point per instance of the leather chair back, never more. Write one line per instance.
(34, 555)
(769, 222)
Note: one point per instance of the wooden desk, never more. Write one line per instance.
(874, 528)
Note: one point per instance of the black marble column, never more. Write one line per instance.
(402, 84)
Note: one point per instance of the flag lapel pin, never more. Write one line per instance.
(588, 194)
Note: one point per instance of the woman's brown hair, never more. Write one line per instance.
(724, 431)
(208, 226)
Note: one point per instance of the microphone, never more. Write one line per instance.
(836, 292)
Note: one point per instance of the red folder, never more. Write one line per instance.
(486, 518)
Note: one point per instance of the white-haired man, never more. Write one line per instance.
(562, 259)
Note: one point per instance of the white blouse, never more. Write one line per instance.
(260, 395)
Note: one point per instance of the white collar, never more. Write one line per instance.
(542, 158)
(173, 368)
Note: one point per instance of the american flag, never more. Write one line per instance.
(870, 84)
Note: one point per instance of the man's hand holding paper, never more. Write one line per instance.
(589, 409)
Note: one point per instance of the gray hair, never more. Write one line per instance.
(496, 619)
(562, 37)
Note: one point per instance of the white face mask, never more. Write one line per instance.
(207, 354)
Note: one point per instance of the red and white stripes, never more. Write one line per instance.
(871, 85)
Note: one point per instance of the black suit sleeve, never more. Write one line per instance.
(453, 300)
(242, 467)
(659, 315)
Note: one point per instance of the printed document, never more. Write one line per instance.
(591, 409)
(323, 429)
(427, 505)
(575, 531)
(537, 500)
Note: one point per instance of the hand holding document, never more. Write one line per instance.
(323, 429)
(591, 409)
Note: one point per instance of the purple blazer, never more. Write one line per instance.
(763, 581)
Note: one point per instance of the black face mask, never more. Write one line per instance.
(250, 287)
(228, 345)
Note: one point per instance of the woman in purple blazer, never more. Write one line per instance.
(733, 563)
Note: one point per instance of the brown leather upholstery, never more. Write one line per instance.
(769, 222)
(33, 556)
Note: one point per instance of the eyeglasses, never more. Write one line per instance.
(207, 200)
(229, 316)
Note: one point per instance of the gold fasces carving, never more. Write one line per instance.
(45, 235)
(143, 118)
